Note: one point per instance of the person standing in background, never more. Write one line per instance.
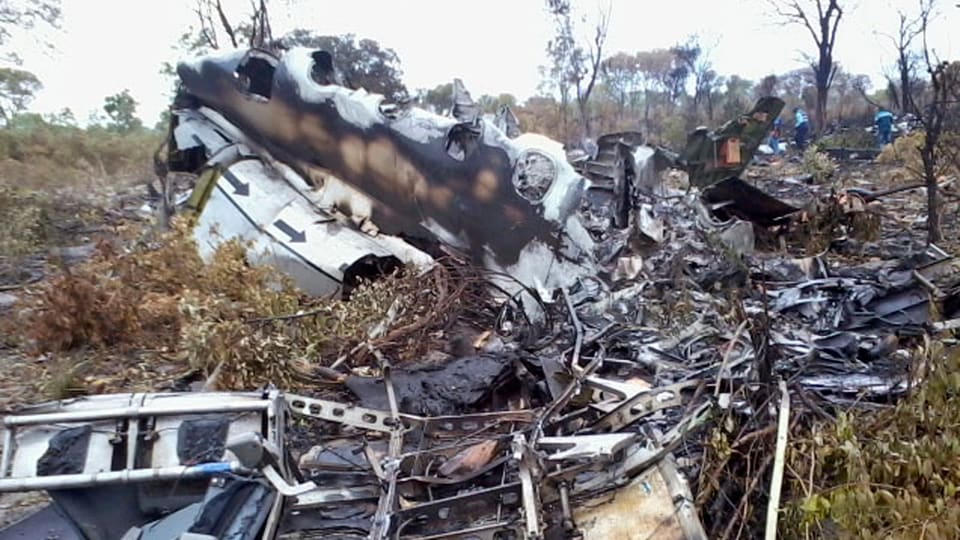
(775, 137)
(801, 126)
(884, 122)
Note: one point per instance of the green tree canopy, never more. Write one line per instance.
(363, 63)
(17, 90)
(439, 99)
(122, 110)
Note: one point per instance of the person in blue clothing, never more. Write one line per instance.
(884, 123)
(775, 137)
(801, 127)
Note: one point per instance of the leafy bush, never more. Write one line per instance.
(818, 164)
(906, 147)
(24, 217)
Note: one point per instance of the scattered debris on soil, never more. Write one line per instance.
(370, 321)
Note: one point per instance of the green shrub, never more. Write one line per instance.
(893, 473)
(818, 164)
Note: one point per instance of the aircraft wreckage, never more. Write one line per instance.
(331, 183)
(577, 437)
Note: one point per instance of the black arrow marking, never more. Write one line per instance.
(295, 235)
(239, 188)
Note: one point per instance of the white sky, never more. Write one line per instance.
(493, 45)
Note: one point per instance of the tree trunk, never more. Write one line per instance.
(584, 118)
(821, 112)
(823, 76)
(904, 84)
(563, 116)
(646, 114)
(933, 200)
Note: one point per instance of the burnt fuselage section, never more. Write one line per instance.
(417, 173)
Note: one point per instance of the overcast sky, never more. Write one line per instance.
(493, 45)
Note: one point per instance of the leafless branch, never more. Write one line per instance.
(596, 47)
(226, 24)
(862, 90)
(208, 31)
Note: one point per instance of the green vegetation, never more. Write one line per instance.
(17, 88)
(818, 164)
(122, 110)
(891, 474)
(24, 215)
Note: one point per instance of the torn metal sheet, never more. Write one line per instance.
(622, 168)
(735, 197)
(590, 447)
(285, 230)
(507, 122)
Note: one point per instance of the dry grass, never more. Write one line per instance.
(150, 315)
(905, 151)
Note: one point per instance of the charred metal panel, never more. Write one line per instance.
(202, 440)
(50, 522)
(402, 164)
(622, 168)
(236, 513)
(747, 202)
(66, 452)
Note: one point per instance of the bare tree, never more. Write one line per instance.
(560, 50)
(211, 16)
(823, 30)
(261, 34)
(933, 118)
(575, 64)
(588, 66)
(908, 30)
(208, 29)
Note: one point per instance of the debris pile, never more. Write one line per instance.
(633, 330)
